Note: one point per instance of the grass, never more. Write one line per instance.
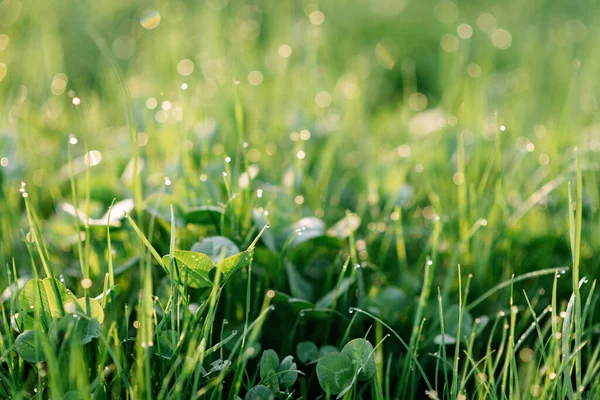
(284, 200)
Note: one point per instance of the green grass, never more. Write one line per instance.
(280, 200)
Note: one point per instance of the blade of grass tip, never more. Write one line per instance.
(388, 372)
(146, 242)
(588, 303)
(77, 219)
(40, 245)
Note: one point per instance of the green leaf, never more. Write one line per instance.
(47, 298)
(287, 372)
(204, 215)
(25, 346)
(269, 363)
(229, 265)
(335, 372)
(80, 330)
(307, 228)
(326, 350)
(196, 265)
(363, 357)
(164, 343)
(387, 303)
(451, 318)
(97, 312)
(299, 286)
(259, 392)
(328, 299)
(307, 351)
(214, 245)
(344, 227)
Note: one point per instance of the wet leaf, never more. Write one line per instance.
(26, 347)
(363, 357)
(196, 265)
(307, 351)
(335, 372)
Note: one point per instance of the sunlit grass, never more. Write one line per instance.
(289, 200)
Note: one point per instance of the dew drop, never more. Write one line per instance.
(167, 181)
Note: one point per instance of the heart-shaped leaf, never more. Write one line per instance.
(79, 329)
(363, 357)
(196, 265)
(287, 372)
(259, 392)
(229, 265)
(306, 229)
(96, 310)
(269, 364)
(27, 348)
(44, 291)
(307, 351)
(335, 372)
